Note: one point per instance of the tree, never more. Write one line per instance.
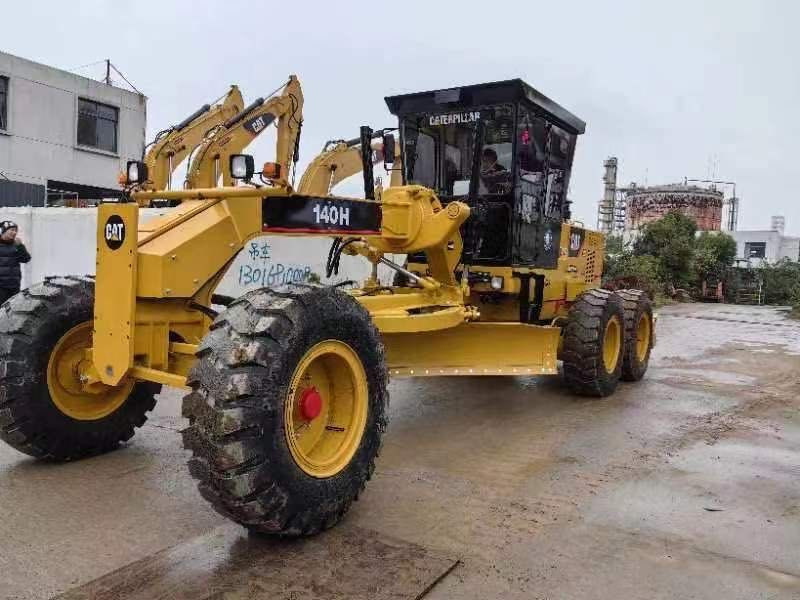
(671, 239)
(714, 255)
(614, 244)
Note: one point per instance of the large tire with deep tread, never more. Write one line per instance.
(31, 324)
(637, 306)
(240, 385)
(582, 350)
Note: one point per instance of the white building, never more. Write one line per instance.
(768, 246)
(63, 135)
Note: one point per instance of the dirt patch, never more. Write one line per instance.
(347, 563)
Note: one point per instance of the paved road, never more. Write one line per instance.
(682, 486)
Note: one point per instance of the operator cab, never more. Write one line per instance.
(503, 148)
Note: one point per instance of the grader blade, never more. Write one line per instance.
(474, 349)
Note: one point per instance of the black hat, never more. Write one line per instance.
(6, 225)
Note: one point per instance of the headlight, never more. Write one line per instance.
(136, 172)
(497, 283)
(242, 166)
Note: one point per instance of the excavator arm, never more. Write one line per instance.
(212, 156)
(339, 160)
(175, 144)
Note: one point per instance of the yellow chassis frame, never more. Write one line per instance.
(151, 290)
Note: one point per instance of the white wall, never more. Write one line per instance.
(274, 260)
(790, 248)
(40, 142)
(62, 241)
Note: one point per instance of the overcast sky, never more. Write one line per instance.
(673, 89)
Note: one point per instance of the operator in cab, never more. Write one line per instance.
(495, 178)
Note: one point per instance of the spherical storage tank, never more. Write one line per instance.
(647, 204)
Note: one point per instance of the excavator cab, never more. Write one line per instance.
(503, 148)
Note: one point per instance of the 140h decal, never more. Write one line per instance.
(312, 214)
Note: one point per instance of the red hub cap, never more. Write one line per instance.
(310, 404)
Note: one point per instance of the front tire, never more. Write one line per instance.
(44, 411)
(287, 409)
(594, 339)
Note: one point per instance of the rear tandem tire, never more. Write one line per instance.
(263, 355)
(638, 333)
(33, 325)
(594, 340)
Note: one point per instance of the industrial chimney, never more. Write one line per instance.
(605, 209)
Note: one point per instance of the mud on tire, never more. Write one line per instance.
(585, 371)
(31, 324)
(635, 358)
(240, 385)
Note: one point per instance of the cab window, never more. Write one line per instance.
(544, 155)
(439, 150)
(420, 153)
(497, 152)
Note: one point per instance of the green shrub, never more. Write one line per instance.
(781, 282)
(627, 270)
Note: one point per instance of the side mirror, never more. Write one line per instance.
(388, 148)
(242, 166)
(136, 172)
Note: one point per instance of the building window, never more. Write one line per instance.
(755, 249)
(3, 103)
(97, 125)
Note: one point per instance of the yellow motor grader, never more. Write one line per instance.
(288, 386)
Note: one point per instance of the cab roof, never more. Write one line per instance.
(482, 94)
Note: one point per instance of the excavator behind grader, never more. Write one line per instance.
(174, 144)
(202, 135)
(288, 387)
(341, 159)
(212, 157)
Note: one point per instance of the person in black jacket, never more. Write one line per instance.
(12, 254)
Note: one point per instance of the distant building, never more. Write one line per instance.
(626, 209)
(647, 204)
(63, 136)
(766, 246)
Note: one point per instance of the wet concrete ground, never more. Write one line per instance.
(686, 485)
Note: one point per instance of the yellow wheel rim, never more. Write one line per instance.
(63, 379)
(642, 337)
(612, 344)
(326, 410)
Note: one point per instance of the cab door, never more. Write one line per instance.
(543, 157)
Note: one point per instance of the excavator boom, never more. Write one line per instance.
(175, 143)
(339, 160)
(211, 159)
